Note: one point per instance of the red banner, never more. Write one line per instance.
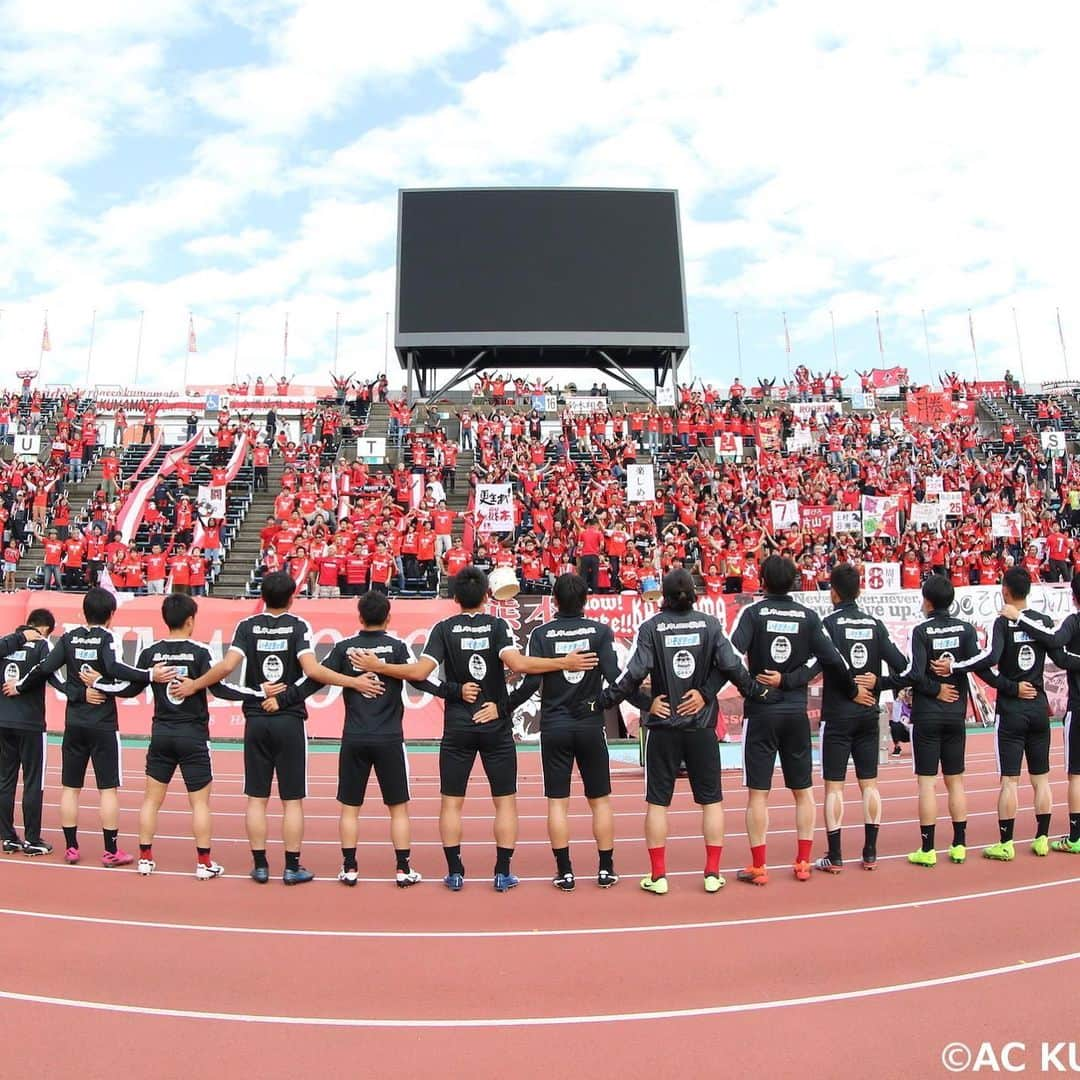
(894, 376)
(990, 389)
(818, 519)
(767, 432)
(935, 408)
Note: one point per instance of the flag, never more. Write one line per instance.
(880, 340)
(105, 581)
(787, 337)
(286, 352)
(1061, 333)
(971, 330)
(46, 344)
(192, 346)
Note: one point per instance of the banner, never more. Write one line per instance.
(882, 577)
(926, 514)
(815, 412)
(989, 389)
(935, 485)
(951, 503)
(1053, 442)
(1006, 525)
(586, 404)
(640, 483)
(785, 514)
(494, 508)
(934, 407)
(801, 439)
(818, 519)
(880, 514)
(27, 446)
(767, 432)
(372, 451)
(665, 396)
(847, 521)
(894, 376)
(211, 501)
(728, 447)
(550, 404)
(862, 402)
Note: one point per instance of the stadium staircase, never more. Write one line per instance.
(243, 555)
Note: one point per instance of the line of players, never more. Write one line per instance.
(682, 654)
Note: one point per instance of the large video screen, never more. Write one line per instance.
(540, 266)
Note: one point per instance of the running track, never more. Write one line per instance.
(112, 975)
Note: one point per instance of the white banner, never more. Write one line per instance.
(882, 577)
(372, 451)
(665, 396)
(551, 404)
(951, 503)
(801, 439)
(1007, 525)
(926, 514)
(785, 514)
(211, 501)
(847, 521)
(728, 447)
(27, 446)
(1053, 442)
(640, 483)
(494, 508)
(587, 404)
(815, 412)
(864, 402)
(935, 485)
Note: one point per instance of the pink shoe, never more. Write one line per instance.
(117, 858)
(72, 855)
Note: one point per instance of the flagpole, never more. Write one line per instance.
(187, 351)
(926, 338)
(880, 339)
(285, 348)
(787, 343)
(44, 334)
(90, 351)
(236, 350)
(974, 351)
(1019, 348)
(738, 343)
(1061, 338)
(386, 342)
(835, 354)
(337, 334)
(138, 346)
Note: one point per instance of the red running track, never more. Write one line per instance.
(862, 974)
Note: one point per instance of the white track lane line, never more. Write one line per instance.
(749, 921)
(544, 1021)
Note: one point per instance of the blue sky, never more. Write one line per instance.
(242, 158)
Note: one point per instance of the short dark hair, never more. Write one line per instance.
(98, 606)
(41, 619)
(1018, 581)
(844, 579)
(278, 589)
(679, 592)
(176, 609)
(470, 587)
(939, 590)
(373, 608)
(778, 575)
(570, 592)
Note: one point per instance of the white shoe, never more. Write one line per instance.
(147, 867)
(405, 878)
(205, 873)
(348, 877)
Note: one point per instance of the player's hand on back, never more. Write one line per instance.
(162, 673)
(486, 713)
(581, 661)
(941, 667)
(770, 678)
(660, 707)
(364, 660)
(867, 680)
(272, 689)
(470, 691)
(270, 705)
(693, 701)
(9, 689)
(183, 688)
(948, 693)
(864, 697)
(1026, 691)
(369, 685)
(94, 697)
(89, 676)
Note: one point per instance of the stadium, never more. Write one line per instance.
(761, 622)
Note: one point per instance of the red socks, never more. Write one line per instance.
(712, 859)
(658, 862)
(203, 855)
(803, 852)
(757, 855)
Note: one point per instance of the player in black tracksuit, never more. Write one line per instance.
(22, 735)
(779, 637)
(273, 650)
(1022, 723)
(1066, 636)
(938, 712)
(687, 658)
(373, 737)
(566, 736)
(91, 728)
(850, 730)
(472, 648)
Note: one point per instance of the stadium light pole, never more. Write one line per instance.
(926, 339)
(1061, 338)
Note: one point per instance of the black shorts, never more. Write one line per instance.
(1072, 745)
(854, 737)
(191, 753)
(938, 743)
(275, 744)
(666, 749)
(83, 745)
(1018, 737)
(587, 745)
(498, 755)
(358, 757)
(786, 734)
